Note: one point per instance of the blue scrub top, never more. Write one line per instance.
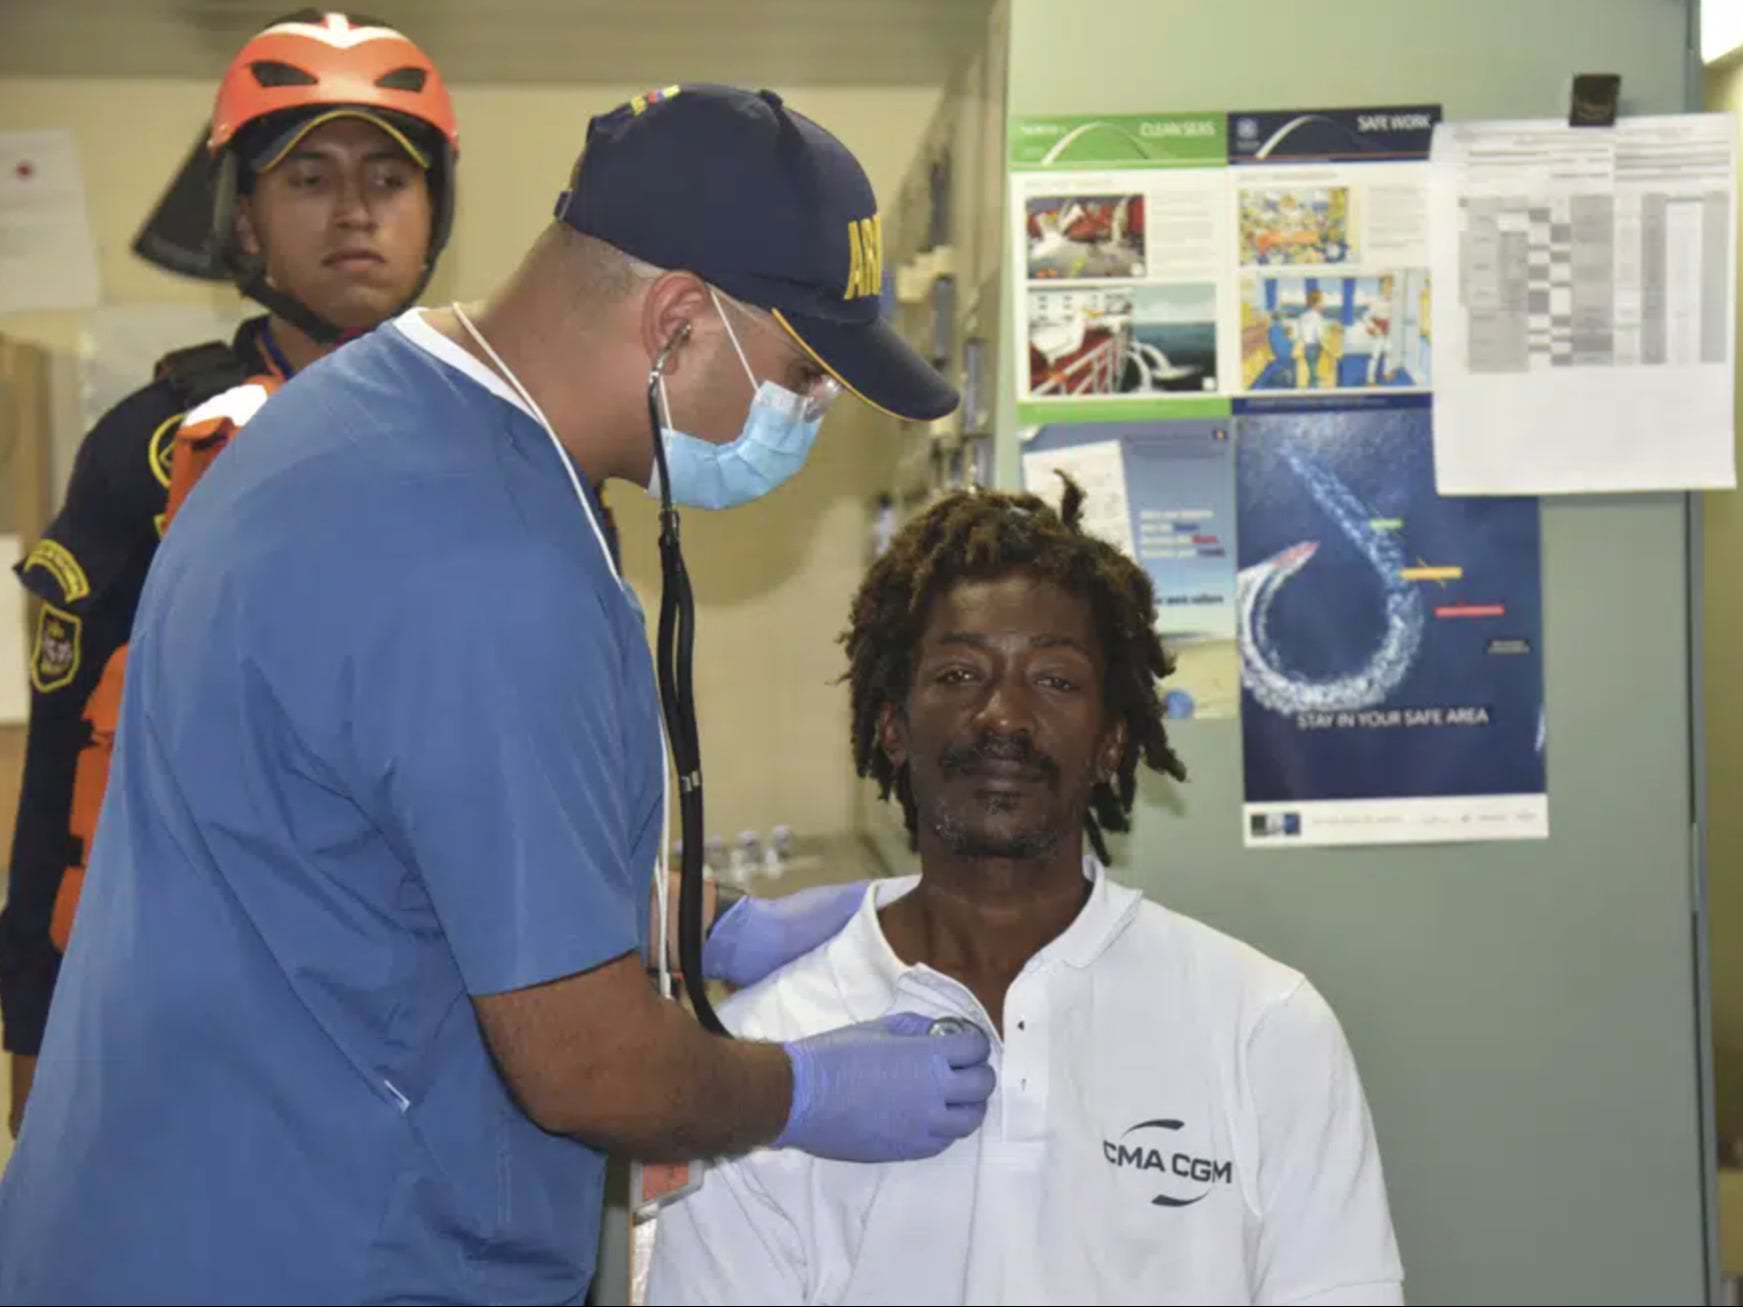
(390, 739)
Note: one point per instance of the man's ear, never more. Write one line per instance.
(247, 238)
(893, 736)
(1113, 751)
(675, 303)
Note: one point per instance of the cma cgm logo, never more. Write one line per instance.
(1152, 1148)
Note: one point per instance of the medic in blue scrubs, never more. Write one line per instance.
(357, 1002)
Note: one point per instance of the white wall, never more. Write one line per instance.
(1723, 538)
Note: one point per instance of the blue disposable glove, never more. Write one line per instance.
(758, 936)
(887, 1090)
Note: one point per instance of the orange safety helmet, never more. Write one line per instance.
(306, 69)
(330, 61)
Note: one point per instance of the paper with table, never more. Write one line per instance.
(1583, 329)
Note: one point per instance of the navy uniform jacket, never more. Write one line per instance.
(87, 570)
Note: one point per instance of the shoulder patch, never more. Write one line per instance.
(236, 405)
(57, 560)
(162, 448)
(54, 662)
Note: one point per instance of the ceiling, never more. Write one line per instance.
(756, 42)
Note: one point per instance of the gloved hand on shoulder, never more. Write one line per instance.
(757, 936)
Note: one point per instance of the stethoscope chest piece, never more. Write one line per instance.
(950, 1026)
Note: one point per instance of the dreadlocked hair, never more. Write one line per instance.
(980, 535)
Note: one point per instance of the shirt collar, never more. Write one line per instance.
(413, 327)
(871, 977)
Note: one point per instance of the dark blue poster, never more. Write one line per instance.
(1390, 639)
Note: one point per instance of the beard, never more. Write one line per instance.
(969, 838)
(1021, 827)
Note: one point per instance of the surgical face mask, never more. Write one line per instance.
(777, 437)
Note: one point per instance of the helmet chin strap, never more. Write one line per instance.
(292, 310)
(256, 287)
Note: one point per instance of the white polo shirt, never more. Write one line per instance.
(1178, 1120)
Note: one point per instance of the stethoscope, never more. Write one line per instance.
(673, 663)
(674, 660)
(950, 1026)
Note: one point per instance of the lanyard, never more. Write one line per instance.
(274, 355)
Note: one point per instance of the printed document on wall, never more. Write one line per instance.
(48, 259)
(1163, 493)
(1122, 243)
(1583, 318)
(121, 344)
(1331, 218)
(14, 665)
(1391, 638)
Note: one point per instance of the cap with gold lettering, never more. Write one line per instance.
(762, 202)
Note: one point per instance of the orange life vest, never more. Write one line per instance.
(203, 435)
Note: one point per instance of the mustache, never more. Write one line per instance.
(969, 759)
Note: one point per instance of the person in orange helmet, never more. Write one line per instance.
(324, 189)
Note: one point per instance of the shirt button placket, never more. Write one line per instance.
(1026, 1062)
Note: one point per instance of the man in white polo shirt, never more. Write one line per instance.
(1178, 1117)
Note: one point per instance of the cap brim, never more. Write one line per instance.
(874, 364)
(281, 145)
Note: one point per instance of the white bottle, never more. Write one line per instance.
(779, 849)
(746, 858)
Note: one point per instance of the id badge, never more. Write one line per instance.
(652, 1185)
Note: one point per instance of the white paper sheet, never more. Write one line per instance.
(14, 667)
(1585, 293)
(48, 259)
(1100, 469)
(121, 344)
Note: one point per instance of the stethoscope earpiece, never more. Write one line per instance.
(678, 337)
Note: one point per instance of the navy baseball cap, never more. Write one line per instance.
(763, 203)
